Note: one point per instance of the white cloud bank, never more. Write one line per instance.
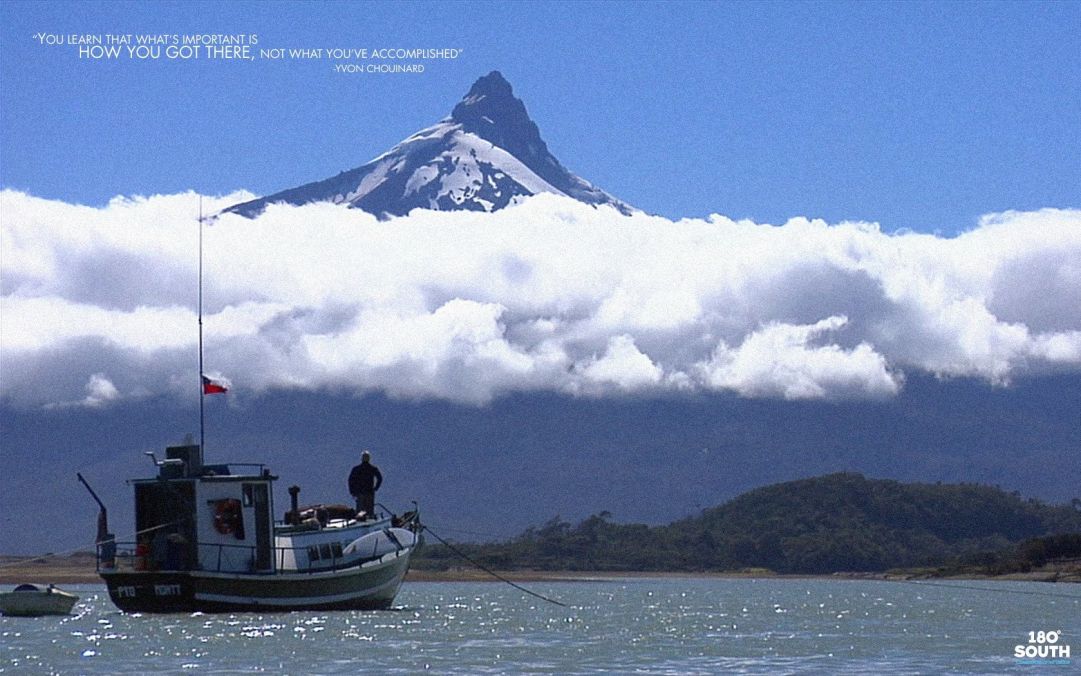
(99, 304)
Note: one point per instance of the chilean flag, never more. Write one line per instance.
(213, 386)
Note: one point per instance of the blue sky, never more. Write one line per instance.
(914, 115)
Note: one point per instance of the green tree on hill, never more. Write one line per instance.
(838, 522)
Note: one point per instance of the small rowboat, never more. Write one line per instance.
(30, 600)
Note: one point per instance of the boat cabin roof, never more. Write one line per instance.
(186, 462)
(239, 471)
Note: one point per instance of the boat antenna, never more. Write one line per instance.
(202, 390)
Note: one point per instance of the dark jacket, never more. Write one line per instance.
(365, 478)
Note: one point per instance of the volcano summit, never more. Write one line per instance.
(486, 155)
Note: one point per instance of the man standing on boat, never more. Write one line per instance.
(364, 481)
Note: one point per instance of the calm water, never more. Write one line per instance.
(650, 626)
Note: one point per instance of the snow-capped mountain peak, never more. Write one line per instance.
(486, 155)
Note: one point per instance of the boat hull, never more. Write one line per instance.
(37, 603)
(371, 586)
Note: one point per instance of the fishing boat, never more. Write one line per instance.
(207, 541)
(31, 600)
(206, 538)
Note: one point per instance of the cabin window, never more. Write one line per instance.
(325, 552)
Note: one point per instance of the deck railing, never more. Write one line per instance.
(224, 558)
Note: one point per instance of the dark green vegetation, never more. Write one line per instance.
(838, 522)
(1032, 554)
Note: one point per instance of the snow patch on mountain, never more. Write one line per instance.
(487, 155)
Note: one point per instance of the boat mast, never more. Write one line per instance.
(202, 389)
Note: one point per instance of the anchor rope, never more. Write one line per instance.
(492, 572)
(1028, 592)
(83, 547)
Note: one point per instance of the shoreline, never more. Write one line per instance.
(79, 569)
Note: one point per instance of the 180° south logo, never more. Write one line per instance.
(1043, 647)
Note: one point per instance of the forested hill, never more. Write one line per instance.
(838, 522)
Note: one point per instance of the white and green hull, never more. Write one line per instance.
(370, 586)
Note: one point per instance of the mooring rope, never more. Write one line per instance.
(492, 572)
(1001, 590)
(50, 555)
(89, 546)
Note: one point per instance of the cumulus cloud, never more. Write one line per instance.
(99, 392)
(779, 360)
(99, 304)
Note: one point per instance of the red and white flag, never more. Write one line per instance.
(214, 386)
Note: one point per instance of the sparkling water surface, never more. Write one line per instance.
(635, 625)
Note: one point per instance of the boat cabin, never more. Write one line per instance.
(205, 517)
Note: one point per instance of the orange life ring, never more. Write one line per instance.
(227, 516)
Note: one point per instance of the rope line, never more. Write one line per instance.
(80, 548)
(1027, 592)
(492, 572)
(493, 536)
(50, 555)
